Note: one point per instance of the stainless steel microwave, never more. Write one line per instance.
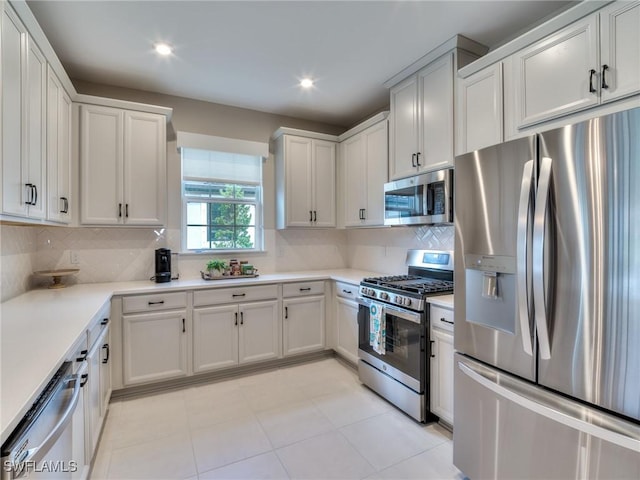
(425, 199)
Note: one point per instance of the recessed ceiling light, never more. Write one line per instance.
(306, 83)
(163, 49)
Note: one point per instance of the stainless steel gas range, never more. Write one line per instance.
(393, 324)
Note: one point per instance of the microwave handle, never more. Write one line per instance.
(428, 208)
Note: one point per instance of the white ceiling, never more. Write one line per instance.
(252, 54)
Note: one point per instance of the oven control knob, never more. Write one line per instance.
(384, 295)
(398, 300)
(372, 292)
(407, 302)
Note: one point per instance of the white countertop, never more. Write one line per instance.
(441, 300)
(39, 328)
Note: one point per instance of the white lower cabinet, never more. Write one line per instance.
(347, 321)
(78, 435)
(228, 335)
(441, 364)
(303, 325)
(95, 400)
(154, 346)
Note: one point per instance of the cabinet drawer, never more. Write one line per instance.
(150, 303)
(346, 290)
(441, 318)
(302, 288)
(234, 295)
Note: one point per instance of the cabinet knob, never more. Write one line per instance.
(418, 159)
(413, 160)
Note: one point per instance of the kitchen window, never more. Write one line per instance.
(222, 201)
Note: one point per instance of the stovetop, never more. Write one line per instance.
(411, 284)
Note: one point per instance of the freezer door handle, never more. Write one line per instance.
(568, 416)
(539, 225)
(524, 209)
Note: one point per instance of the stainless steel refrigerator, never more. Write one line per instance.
(547, 304)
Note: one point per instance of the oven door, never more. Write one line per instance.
(404, 357)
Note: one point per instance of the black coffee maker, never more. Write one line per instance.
(163, 265)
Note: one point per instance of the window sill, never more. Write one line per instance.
(222, 252)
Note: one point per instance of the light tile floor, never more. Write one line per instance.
(313, 420)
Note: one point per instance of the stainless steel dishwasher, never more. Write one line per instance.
(41, 444)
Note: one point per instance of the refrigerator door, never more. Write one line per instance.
(493, 210)
(508, 428)
(586, 256)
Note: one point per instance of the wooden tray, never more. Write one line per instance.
(206, 276)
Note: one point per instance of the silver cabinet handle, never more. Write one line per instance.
(539, 294)
(524, 210)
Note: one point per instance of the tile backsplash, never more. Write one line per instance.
(18, 246)
(385, 249)
(124, 254)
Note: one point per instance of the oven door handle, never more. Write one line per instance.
(409, 315)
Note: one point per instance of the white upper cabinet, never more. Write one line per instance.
(364, 160)
(436, 115)
(480, 110)
(24, 104)
(59, 108)
(123, 166)
(592, 61)
(558, 74)
(145, 168)
(403, 128)
(421, 120)
(305, 181)
(620, 50)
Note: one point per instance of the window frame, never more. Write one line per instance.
(258, 203)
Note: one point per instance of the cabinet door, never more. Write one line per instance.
(215, 337)
(553, 76)
(155, 346)
(376, 139)
(79, 433)
(36, 113)
(13, 119)
(58, 150)
(145, 167)
(403, 128)
(354, 170)
(105, 371)
(441, 369)
(324, 184)
(436, 115)
(101, 165)
(259, 331)
(297, 164)
(94, 415)
(347, 328)
(303, 327)
(480, 109)
(620, 50)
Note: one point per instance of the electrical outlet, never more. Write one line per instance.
(75, 258)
